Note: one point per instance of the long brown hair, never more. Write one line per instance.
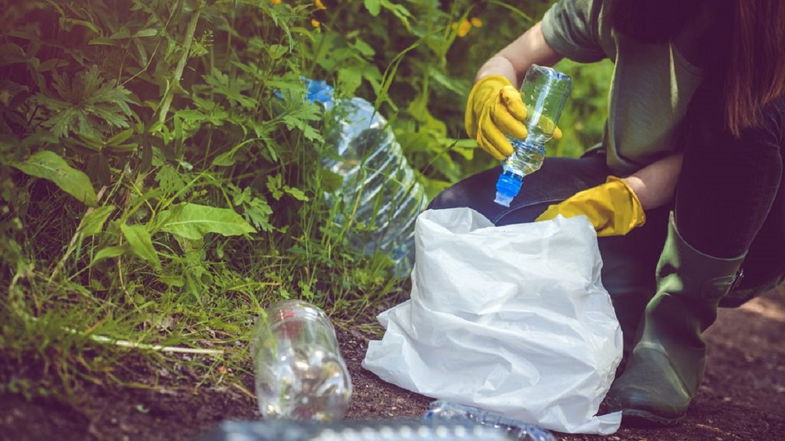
(744, 49)
(756, 63)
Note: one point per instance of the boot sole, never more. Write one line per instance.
(643, 418)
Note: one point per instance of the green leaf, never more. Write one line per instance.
(373, 6)
(296, 193)
(399, 11)
(232, 88)
(364, 48)
(83, 23)
(458, 86)
(331, 181)
(11, 54)
(191, 116)
(120, 137)
(48, 65)
(465, 148)
(169, 180)
(193, 221)
(50, 166)
(301, 117)
(350, 78)
(146, 33)
(275, 185)
(276, 51)
(226, 159)
(85, 104)
(140, 242)
(122, 33)
(258, 212)
(103, 41)
(93, 222)
(107, 253)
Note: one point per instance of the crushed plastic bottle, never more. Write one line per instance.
(375, 430)
(516, 430)
(300, 373)
(379, 192)
(545, 92)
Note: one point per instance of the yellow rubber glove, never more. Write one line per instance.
(495, 109)
(613, 208)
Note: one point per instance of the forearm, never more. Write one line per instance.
(513, 61)
(655, 184)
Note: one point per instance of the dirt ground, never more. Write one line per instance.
(742, 398)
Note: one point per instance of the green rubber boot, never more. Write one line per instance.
(666, 365)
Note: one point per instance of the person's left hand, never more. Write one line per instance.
(612, 207)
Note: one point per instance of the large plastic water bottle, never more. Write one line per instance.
(545, 92)
(379, 194)
(300, 373)
(362, 430)
(516, 430)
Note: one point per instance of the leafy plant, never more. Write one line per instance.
(154, 189)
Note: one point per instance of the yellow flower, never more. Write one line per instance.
(275, 2)
(476, 22)
(319, 4)
(315, 23)
(463, 28)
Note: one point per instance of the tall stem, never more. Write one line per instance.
(178, 72)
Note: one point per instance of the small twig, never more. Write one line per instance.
(120, 275)
(138, 345)
(130, 344)
(358, 335)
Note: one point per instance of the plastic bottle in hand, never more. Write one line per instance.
(516, 430)
(545, 92)
(300, 374)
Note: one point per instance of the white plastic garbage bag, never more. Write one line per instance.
(512, 319)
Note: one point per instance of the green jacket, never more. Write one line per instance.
(651, 87)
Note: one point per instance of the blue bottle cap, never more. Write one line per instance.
(318, 92)
(507, 187)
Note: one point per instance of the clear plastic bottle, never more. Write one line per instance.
(545, 92)
(379, 192)
(300, 373)
(516, 430)
(358, 430)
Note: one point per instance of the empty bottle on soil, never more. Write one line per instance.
(516, 430)
(545, 92)
(379, 194)
(300, 373)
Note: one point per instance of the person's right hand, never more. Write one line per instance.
(495, 109)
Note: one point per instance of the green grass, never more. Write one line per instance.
(123, 121)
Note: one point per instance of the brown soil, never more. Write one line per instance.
(742, 398)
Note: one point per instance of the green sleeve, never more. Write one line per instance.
(571, 28)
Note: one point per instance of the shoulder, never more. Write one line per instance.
(577, 30)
